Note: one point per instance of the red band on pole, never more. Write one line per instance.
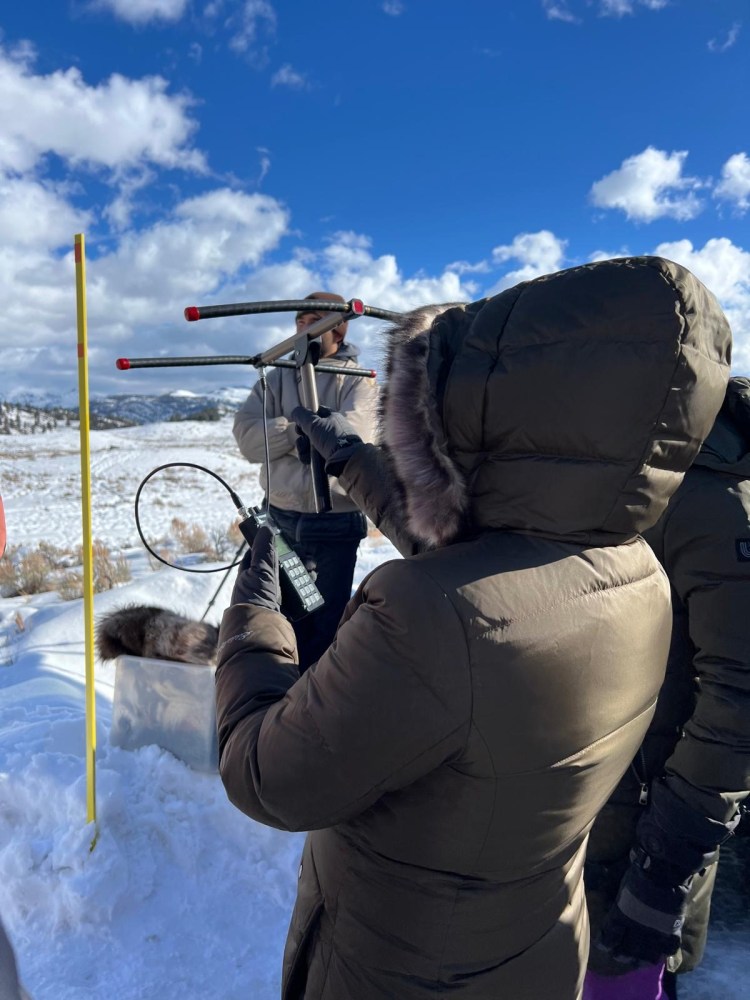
(80, 350)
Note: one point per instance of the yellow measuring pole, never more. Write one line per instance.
(88, 559)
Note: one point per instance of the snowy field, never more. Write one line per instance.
(182, 897)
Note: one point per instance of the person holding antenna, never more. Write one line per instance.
(327, 543)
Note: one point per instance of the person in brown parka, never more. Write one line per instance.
(482, 698)
(692, 771)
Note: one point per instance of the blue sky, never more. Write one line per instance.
(400, 151)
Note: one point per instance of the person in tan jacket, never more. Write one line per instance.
(482, 697)
(327, 542)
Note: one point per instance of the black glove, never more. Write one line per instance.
(258, 576)
(673, 843)
(645, 924)
(330, 434)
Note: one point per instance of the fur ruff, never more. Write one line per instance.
(435, 490)
(142, 630)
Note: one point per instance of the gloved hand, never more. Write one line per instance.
(645, 924)
(258, 576)
(331, 435)
(673, 843)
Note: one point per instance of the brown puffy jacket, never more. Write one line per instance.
(481, 700)
(699, 738)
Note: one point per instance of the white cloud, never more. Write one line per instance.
(715, 45)
(265, 163)
(347, 263)
(619, 8)
(35, 214)
(139, 287)
(120, 209)
(394, 8)
(735, 181)
(609, 254)
(559, 12)
(118, 124)
(287, 76)
(725, 269)
(350, 239)
(143, 11)
(207, 238)
(468, 267)
(38, 305)
(649, 186)
(616, 8)
(255, 20)
(537, 253)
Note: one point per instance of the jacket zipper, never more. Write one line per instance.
(640, 778)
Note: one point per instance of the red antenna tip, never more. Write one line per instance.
(192, 313)
(123, 364)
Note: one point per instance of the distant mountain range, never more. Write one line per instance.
(30, 413)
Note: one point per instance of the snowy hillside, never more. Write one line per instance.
(27, 413)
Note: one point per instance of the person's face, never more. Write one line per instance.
(329, 342)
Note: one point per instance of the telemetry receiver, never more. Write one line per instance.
(299, 595)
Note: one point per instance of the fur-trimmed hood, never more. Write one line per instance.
(570, 405)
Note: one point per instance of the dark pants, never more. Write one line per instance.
(669, 983)
(327, 544)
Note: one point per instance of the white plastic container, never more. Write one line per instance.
(168, 704)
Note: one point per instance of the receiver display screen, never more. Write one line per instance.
(283, 548)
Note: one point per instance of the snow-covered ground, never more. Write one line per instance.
(182, 897)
